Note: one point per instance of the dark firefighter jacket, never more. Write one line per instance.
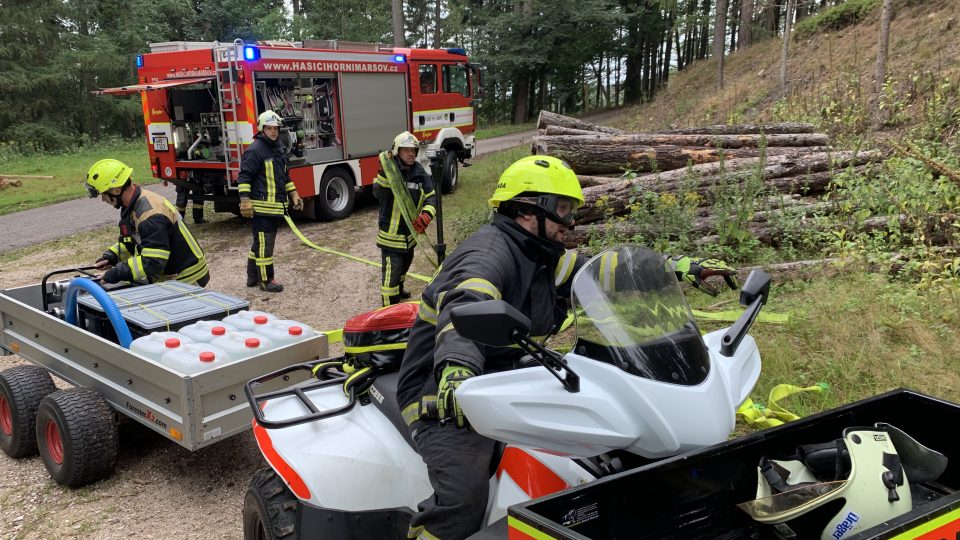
(504, 261)
(155, 244)
(393, 233)
(263, 177)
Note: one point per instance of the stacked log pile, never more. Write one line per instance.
(792, 161)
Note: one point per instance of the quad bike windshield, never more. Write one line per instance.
(631, 313)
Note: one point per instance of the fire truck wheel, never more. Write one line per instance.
(269, 508)
(336, 195)
(451, 173)
(21, 390)
(77, 434)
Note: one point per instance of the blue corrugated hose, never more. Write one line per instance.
(107, 303)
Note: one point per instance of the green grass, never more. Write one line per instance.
(68, 170)
(467, 209)
(503, 129)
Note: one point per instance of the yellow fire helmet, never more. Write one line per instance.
(268, 118)
(106, 174)
(405, 140)
(542, 181)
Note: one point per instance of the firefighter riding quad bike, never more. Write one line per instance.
(640, 384)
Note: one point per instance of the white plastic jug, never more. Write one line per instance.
(205, 331)
(191, 358)
(156, 344)
(285, 331)
(240, 344)
(249, 320)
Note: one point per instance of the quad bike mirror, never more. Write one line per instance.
(756, 285)
(753, 295)
(491, 322)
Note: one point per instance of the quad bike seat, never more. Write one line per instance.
(383, 394)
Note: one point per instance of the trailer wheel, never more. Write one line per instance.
(77, 435)
(336, 196)
(269, 508)
(451, 173)
(21, 390)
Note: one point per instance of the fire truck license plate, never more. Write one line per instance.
(160, 144)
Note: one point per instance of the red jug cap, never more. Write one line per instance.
(207, 356)
(252, 342)
(295, 331)
(218, 330)
(172, 343)
(260, 319)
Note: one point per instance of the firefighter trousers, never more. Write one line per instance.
(185, 194)
(394, 267)
(458, 464)
(260, 258)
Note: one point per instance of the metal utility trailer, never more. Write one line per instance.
(192, 410)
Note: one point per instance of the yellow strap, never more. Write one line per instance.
(310, 244)
(774, 415)
(166, 321)
(733, 315)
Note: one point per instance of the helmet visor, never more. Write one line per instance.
(558, 208)
(91, 191)
(783, 506)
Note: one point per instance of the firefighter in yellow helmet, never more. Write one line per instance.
(266, 192)
(155, 244)
(395, 240)
(519, 258)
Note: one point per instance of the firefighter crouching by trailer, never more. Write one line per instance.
(395, 240)
(264, 190)
(155, 244)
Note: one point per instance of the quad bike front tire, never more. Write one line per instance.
(21, 390)
(269, 508)
(77, 435)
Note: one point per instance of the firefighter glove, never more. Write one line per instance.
(295, 201)
(447, 407)
(696, 271)
(110, 276)
(246, 208)
(420, 224)
(102, 262)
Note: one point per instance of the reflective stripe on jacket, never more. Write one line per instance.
(155, 244)
(263, 177)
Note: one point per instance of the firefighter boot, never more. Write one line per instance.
(404, 295)
(271, 286)
(198, 215)
(253, 279)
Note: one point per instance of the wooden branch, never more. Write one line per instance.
(932, 164)
(548, 118)
(26, 176)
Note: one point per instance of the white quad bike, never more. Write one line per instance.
(640, 384)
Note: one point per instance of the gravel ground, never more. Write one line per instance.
(161, 490)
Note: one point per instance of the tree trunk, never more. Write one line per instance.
(547, 142)
(786, 46)
(436, 24)
(605, 159)
(399, 39)
(746, 23)
(616, 195)
(548, 118)
(880, 78)
(770, 12)
(736, 129)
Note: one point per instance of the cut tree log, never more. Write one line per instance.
(548, 118)
(560, 130)
(565, 142)
(590, 181)
(592, 160)
(4, 183)
(616, 196)
(739, 129)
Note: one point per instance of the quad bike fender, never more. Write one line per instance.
(356, 461)
(741, 371)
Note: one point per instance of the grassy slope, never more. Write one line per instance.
(833, 67)
(68, 171)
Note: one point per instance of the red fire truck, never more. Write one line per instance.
(342, 103)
